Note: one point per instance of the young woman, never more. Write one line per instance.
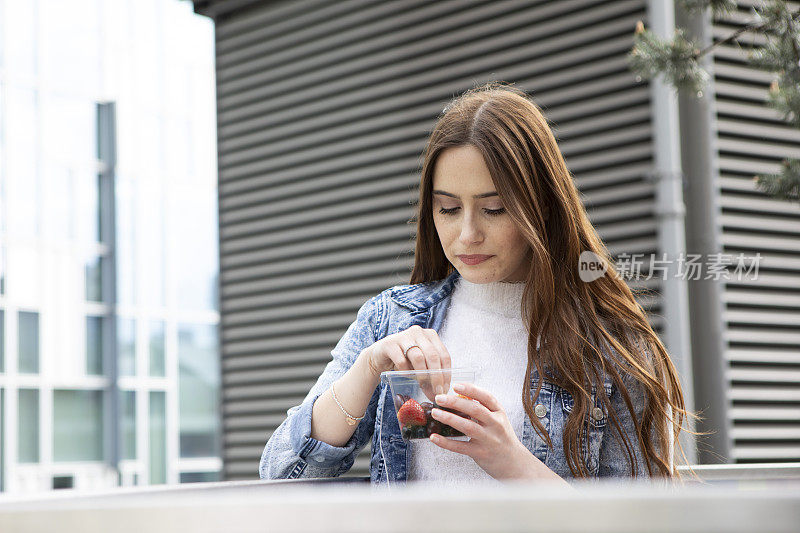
(573, 382)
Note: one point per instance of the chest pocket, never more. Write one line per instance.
(596, 421)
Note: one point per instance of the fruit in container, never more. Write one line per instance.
(417, 422)
(413, 396)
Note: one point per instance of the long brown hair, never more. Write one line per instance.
(576, 320)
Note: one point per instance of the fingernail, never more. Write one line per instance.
(441, 398)
(458, 387)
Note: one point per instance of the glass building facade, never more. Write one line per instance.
(109, 358)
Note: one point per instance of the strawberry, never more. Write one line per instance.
(411, 413)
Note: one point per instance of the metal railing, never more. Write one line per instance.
(731, 498)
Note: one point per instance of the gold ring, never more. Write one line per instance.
(405, 352)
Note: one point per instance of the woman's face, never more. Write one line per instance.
(471, 220)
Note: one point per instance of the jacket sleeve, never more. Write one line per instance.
(291, 452)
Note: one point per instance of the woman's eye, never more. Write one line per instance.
(492, 212)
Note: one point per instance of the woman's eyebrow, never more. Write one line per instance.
(484, 195)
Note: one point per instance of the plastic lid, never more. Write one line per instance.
(412, 373)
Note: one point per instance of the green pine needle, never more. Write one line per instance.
(652, 55)
(783, 186)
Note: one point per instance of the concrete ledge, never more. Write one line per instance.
(353, 506)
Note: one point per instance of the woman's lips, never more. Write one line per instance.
(473, 259)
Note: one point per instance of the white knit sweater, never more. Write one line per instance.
(482, 328)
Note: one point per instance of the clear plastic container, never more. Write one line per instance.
(414, 393)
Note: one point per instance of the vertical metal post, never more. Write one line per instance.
(107, 157)
(703, 229)
(670, 217)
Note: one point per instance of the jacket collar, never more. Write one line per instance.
(422, 296)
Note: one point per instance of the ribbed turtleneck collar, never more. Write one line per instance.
(499, 297)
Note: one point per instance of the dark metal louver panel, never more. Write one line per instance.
(323, 111)
(763, 315)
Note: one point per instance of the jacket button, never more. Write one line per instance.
(540, 410)
(597, 413)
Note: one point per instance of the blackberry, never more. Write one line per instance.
(400, 399)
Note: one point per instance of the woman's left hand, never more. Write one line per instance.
(493, 445)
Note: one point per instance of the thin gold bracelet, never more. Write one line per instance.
(351, 420)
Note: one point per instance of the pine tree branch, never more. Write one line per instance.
(677, 60)
(791, 35)
(729, 38)
(737, 33)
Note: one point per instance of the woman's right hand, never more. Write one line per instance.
(389, 353)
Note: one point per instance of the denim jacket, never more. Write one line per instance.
(291, 452)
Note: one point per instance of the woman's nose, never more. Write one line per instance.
(470, 231)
